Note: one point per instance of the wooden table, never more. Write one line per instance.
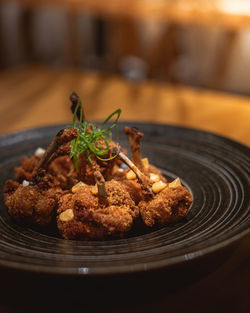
(35, 96)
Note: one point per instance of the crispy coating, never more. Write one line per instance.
(61, 171)
(134, 136)
(30, 204)
(95, 218)
(61, 139)
(106, 168)
(134, 189)
(64, 149)
(66, 135)
(27, 166)
(170, 205)
(82, 213)
(86, 169)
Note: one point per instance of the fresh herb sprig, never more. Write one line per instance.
(91, 138)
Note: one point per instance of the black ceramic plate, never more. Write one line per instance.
(215, 169)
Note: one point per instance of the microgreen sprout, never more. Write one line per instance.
(91, 138)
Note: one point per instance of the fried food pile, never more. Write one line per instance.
(101, 197)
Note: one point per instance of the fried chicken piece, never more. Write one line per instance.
(31, 204)
(86, 171)
(107, 168)
(134, 189)
(61, 170)
(134, 137)
(24, 172)
(54, 159)
(169, 205)
(61, 167)
(63, 137)
(142, 179)
(86, 215)
(37, 202)
(132, 186)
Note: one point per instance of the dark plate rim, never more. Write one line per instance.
(118, 270)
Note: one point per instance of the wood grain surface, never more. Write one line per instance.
(36, 96)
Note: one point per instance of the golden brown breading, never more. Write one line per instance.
(134, 137)
(133, 187)
(61, 170)
(134, 190)
(30, 204)
(86, 169)
(106, 168)
(94, 218)
(170, 205)
(27, 166)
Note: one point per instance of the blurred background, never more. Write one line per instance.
(126, 51)
(201, 43)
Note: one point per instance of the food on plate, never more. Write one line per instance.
(134, 136)
(170, 204)
(86, 186)
(96, 212)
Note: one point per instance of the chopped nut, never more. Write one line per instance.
(158, 186)
(67, 215)
(145, 162)
(77, 186)
(94, 189)
(39, 152)
(25, 183)
(130, 175)
(154, 177)
(175, 183)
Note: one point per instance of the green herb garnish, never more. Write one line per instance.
(92, 138)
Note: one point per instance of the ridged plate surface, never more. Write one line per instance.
(215, 169)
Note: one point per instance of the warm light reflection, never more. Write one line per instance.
(240, 7)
